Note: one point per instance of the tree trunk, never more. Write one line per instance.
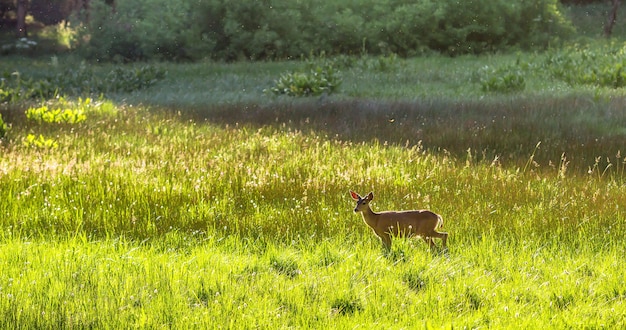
(83, 9)
(22, 8)
(608, 28)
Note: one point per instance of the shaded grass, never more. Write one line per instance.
(578, 129)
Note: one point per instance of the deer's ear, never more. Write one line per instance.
(370, 196)
(354, 195)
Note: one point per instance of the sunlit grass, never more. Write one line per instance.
(156, 219)
(212, 283)
(154, 173)
(236, 213)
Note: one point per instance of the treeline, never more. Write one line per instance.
(227, 30)
(271, 29)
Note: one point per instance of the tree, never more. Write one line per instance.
(22, 8)
(608, 28)
(51, 12)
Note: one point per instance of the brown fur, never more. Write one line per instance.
(423, 223)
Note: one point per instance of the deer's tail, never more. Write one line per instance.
(439, 221)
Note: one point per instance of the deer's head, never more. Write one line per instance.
(361, 203)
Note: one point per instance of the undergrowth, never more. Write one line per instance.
(80, 81)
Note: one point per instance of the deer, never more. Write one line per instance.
(422, 223)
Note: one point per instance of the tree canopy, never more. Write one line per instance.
(277, 29)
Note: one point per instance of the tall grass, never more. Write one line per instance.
(150, 219)
(334, 283)
(236, 213)
(154, 173)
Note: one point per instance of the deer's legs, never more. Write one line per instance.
(443, 236)
(386, 240)
(428, 241)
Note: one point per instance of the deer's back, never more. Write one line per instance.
(414, 221)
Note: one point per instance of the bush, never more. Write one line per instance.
(597, 67)
(136, 30)
(272, 29)
(319, 80)
(78, 81)
(503, 80)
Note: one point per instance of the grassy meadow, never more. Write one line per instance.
(203, 202)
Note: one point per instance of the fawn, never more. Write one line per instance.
(421, 223)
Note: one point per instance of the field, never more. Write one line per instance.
(204, 202)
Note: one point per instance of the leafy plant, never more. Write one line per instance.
(55, 115)
(319, 80)
(40, 142)
(78, 81)
(585, 66)
(68, 111)
(502, 80)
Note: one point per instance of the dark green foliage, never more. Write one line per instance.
(137, 30)
(576, 66)
(50, 12)
(581, 2)
(317, 81)
(598, 67)
(271, 29)
(504, 79)
(78, 81)
(346, 305)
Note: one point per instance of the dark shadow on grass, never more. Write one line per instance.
(505, 130)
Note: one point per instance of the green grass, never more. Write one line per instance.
(202, 202)
(234, 283)
(150, 218)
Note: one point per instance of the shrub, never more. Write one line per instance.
(78, 81)
(251, 30)
(408, 28)
(254, 30)
(319, 80)
(136, 30)
(505, 79)
(599, 67)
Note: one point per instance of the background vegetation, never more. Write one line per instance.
(194, 194)
(254, 30)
